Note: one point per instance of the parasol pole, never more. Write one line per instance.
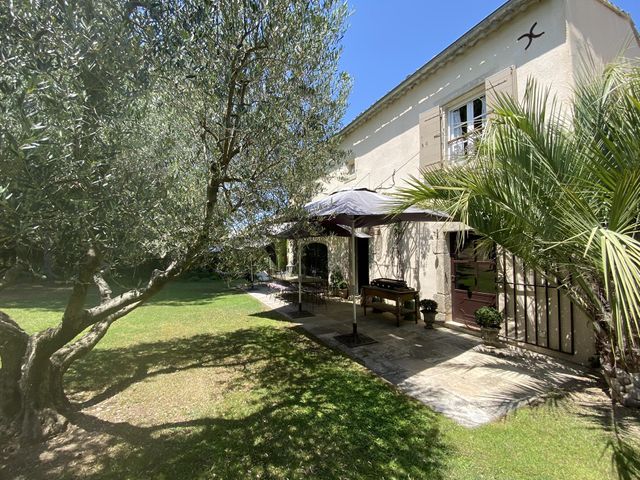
(299, 276)
(353, 276)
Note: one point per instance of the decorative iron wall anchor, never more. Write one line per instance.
(530, 35)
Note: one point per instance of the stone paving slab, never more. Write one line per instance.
(451, 371)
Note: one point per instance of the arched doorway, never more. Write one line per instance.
(315, 260)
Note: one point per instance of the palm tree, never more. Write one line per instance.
(559, 187)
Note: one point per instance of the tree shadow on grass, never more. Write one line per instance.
(37, 296)
(622, 423)
(310, 413)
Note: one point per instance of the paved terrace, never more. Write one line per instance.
(450, 371)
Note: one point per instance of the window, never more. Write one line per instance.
(474, 270)
(465, 123)
(351, 166)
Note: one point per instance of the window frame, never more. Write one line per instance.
(468, 101)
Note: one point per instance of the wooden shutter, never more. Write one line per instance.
(501, 83)
(431, 138)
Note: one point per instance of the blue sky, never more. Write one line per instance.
(387, 40)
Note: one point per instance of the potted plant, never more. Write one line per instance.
(490, 321)
(343, 289)
(339, 287)
(429, 309)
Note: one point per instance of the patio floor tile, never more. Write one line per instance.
(451, 371)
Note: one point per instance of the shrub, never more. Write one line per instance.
(488, 317)
(337, 279)
(428, 305)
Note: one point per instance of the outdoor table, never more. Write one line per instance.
(287, 284)
(398, 295)
(293, 279)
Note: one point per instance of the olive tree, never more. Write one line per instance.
(148, 130)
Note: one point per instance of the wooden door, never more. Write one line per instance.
(473, 279)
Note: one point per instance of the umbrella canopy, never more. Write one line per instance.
(326, 228)
(365, 208)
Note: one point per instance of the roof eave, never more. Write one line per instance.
(491, 23)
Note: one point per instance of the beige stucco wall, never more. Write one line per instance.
(385, 148)
(598, 35)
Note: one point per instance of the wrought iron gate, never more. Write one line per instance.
(536, 310)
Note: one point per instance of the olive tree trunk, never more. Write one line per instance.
(32, 397)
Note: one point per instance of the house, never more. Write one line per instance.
(426, 121)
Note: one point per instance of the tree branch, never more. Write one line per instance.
(158, 279)
(9, 329)
(79, 294)
(13, 344)
(64, 357)
(103, 287)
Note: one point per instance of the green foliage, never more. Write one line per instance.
(241, 263)
(152, 133)
(561, 190)
(281, 254)
(72, 86)
(337, 280)
(150, 130)
(488, 317)
(428, 305)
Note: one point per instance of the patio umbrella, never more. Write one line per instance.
(364, 208)
(324, 228)
(320, 228)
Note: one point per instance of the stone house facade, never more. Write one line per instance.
(427, 120)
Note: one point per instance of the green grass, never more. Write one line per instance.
(203, 383)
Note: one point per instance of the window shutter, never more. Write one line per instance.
(431, 138)
(501, 83)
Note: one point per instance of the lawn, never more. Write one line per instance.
(204, 383)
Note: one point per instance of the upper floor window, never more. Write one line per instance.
(465, 123)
